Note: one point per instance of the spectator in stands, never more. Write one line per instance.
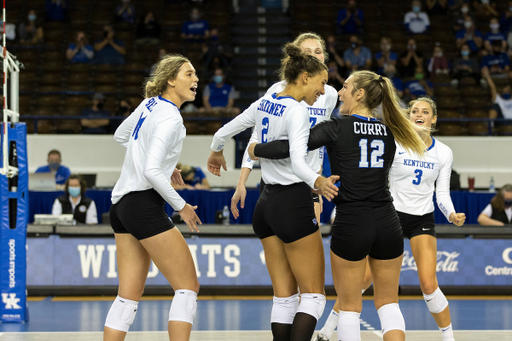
(10, 30)
(410, 59)
(455, 5)
(386, 59)
(75, 202)
(55, 166)
(219, 97)
(80, 51)
(57, 10)
(109, 50)
(335, 54)
(95, 119)
(437, 7)
(418, 86)
(499, 211)
(125, 12)
(506, 19)
(497, 63)
(30, 31)
(495, 35)
(501, 103)
(459, 17)
(334, 79)
(124, 109)
(195, 30)
(485, 8)
(438, 63)
(465, 66)
(161, 53)
(193, 177)
(357, 57)
(148, 30)
(469, 35)
(416, 22)
(216, 54)
(350, 19)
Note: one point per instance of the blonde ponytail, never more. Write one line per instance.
(166, 69)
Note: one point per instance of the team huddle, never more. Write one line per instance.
(384, 170)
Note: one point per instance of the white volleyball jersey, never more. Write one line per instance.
(318, 112)
(412, 180)
(153, 135)
(275, 118)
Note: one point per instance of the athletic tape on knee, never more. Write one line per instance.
(312, 304)
(284, 309)
(436, 301)
(349, 325)
(121, 314)
(183, 306)
(391, 318)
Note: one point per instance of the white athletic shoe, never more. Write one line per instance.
(321, 337)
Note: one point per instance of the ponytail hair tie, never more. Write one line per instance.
(381, 80)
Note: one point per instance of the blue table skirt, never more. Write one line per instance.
(208, 202)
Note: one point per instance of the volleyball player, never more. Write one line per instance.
(361, 151)
(312, 44)
(284, 217)
(412, 183)
(153, 135)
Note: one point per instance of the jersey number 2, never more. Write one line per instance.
(264, 130)
(377, 147)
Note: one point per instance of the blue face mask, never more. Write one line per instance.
(54, 165)
(74, 191)
(464, 53)
(505, 96)
(214, 38)
(32, 17)
(217, 79)
(416, 9)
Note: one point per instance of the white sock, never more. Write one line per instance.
(330, 325)
(349, 328)
(362, 291)
(447, 333)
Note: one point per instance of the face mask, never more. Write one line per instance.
(485, 2)
(214, 38)
(418, 76)
(464, 53)
(123, 108)
(54, 165)
(194, 16)
(494, 27)
(412, 47)
(464, 10)
(416, 9)
(100, 105)
(354, 45)
(32, 17)
(439, 54)
(468, 24)
(217, 79)
(506, 96)
(74, 191)
(508, 203)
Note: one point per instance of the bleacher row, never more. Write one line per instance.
(49, 85)
(385, 19)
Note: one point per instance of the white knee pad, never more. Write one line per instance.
(284, 309)
(121, 314)
(312, 304)
(349, 326)
(183, 306)
(436, 301)
(391, 318)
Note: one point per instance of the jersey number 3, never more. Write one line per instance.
(377, 151)
(418, 173)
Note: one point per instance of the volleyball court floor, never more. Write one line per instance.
(247, 318)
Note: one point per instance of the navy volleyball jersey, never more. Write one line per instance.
(361, 152)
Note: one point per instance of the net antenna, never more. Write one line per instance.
(11, 113)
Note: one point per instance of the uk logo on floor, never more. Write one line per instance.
(10, 301)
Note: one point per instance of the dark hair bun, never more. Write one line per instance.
(293, 51)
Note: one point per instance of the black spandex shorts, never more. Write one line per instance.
(286, 212)
(415, 225)
(141, 214)
(365, 228)
(316, 197)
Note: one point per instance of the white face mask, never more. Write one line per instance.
(494, 27)
(464, 10)
(468, 24)
(439, 54)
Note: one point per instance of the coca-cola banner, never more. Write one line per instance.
(240, 261)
